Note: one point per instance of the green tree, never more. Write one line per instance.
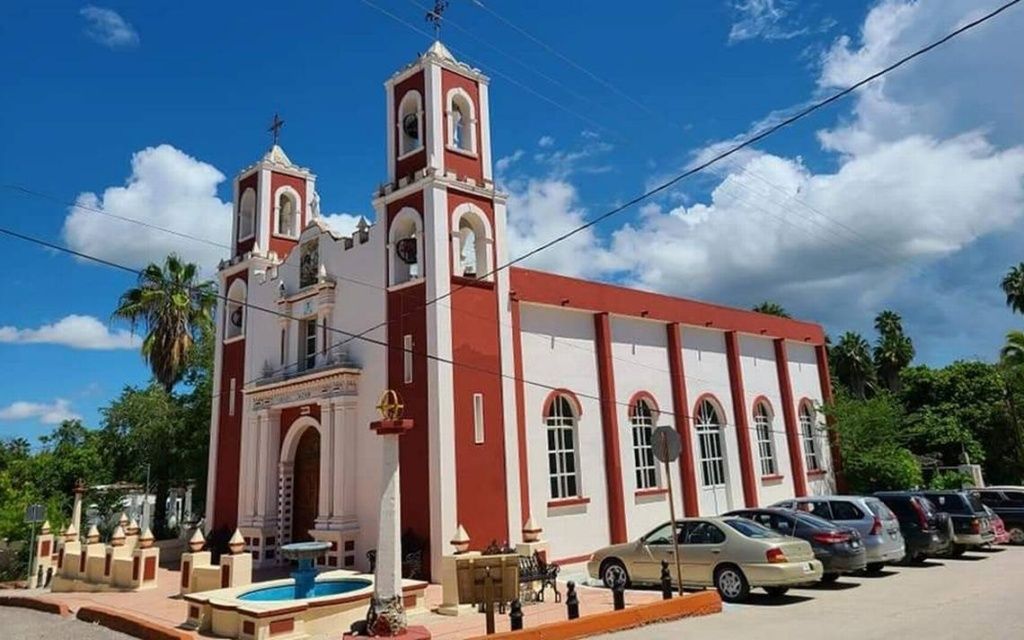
(853, 364)
(872, 443)
(893, 350)
(1012, 353)
(1013, 287)
(174, 307)
(772, 309)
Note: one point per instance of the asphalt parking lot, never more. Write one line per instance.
(976, 596)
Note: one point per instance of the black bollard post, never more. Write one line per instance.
(619, 594)
(666, 582)
(515, 615)
(572, 603)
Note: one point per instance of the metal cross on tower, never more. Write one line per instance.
(275, 127)
(434, 16)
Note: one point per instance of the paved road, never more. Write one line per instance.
(978, 597)
(26, 624)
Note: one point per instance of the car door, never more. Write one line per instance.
(654, 547)
(701, 551)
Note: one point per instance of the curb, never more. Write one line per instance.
(38, 604)
(130, 624)
(697, 604)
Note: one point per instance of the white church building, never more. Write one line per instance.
(533, 395)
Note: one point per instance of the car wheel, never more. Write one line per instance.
(732, 585)
(612, 571)
(829, 578)
(1016, 534)
(776, 592)
(874, 568)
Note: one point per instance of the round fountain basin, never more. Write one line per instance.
(321, 588)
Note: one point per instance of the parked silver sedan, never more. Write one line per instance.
(877, 524)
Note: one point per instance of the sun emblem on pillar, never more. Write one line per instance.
(390, 406)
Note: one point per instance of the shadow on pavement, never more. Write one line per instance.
(966, 558)
(841, 585)
(927, 564)
(881, 574)
(761, 599)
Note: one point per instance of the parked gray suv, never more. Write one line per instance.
(877, 524)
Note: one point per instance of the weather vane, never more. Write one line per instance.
(434, 16)
(275, 127)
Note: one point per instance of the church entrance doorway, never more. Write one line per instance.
(306, 484)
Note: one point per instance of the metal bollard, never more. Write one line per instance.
(666, 582)
(515, 615)
(572, 603)
(619, 594)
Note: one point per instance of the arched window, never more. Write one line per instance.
(563, 474)
(404, 247)
(461, 121)
(765, 438)
(472, 245)
(808, 429)
(709, 438)
(410, 123)
(247, 214)
(641, 423)
(287, 214)
(234, 310)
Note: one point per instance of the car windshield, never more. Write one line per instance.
(751, 529)
(812, 520)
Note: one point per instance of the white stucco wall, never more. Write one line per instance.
(803, 373)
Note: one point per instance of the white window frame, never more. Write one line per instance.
(236, 299)
(408, 220)
(407, 358)
(641, 426)
(808, 426)
(763, 419)
(469, 117)
(305, 337)
(478, 418)
(708, 424)
(483, 239)
(297, 226)
(563, 458)
(411, 96)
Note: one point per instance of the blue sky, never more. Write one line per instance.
(908, 196)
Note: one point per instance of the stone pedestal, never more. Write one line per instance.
(530, 548)
(236, 570)
(450, 586)
(144, 567)
(190, 561)
(44, 556)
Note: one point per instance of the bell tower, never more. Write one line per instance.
(445, 225)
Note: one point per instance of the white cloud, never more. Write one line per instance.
(341, 223)
(505, 162)
(545, 141)
(770, 20)
(108, 28)
(78, 332)
(53, 413)
(167, 188)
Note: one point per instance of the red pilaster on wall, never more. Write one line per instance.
(739, 410)
(825, 379)
(681, 405)
(610, 429)
(796, 460)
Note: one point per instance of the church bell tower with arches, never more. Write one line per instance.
(445, 226)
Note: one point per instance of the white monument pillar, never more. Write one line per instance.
(76, 510)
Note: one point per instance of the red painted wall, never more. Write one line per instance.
(524, 473)
(283, 246)
(463, 165)
(418, 160)
(681, 405)
(229, 429)
(249, 182)
(482, 505)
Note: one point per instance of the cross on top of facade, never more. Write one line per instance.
(434, 16)
(275, 127)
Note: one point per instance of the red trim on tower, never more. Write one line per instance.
(739, 409)
(610, 429)
(796, 460)
(524, 468)
(825, 379)
(561, 291)
(687, 472)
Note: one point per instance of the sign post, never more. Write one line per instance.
(33, 514)
(666, 449)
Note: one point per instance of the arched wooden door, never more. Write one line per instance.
(305, 484)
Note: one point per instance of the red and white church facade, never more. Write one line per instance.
(533, 395)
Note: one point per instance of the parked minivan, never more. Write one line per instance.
(877, 524)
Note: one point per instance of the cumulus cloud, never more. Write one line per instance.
(914, 184)
(341, 223)
(75, 331)
(545, 141)
(168, 189)
(47, 413)
(770, 20)
(108, 28)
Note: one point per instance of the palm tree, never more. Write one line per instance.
(174, 306)
(1012, 353)
(893, 350)
(854, 368)
(772, 309)
(1013, 287)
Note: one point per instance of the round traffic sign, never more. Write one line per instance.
(666, 444)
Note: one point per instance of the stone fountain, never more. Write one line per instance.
(305, 575)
